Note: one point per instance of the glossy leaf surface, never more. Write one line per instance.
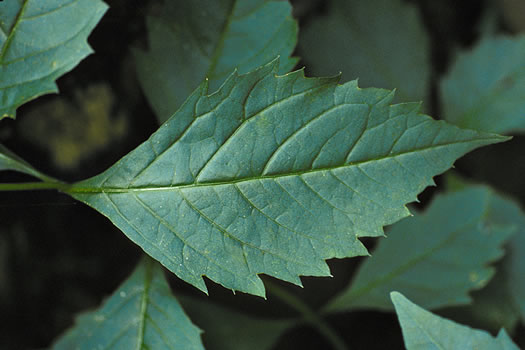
(141, 314)
(485, 88)
(193, 40)
(437, 257)
(383, 43)
(274, 175)
(39, 42)
(424, 330)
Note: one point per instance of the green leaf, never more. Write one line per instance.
(424, 330)
(503, 300)
(233, 330)
(492, 307)
(193, 40)
(273, 175)
(454, 182)
(514, 267)
(141, 314)
(39, 42)
(10, 161)
(484, 89)
(381, 42)
(437, 257)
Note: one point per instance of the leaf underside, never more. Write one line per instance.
(141, 314)
(193, 40)
(437, 257)
(39, 42)
(484, 89)
(273, 174)
(424, 330)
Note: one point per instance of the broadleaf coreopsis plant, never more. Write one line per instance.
(258, 173)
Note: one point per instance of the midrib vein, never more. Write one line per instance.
(144, 305)
(93, 189)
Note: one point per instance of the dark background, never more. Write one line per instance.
(59, 257)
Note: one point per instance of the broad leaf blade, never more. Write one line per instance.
(194, 40)
(10, 161)
(484, 89)
(233, 330)
(381, 42)
(423, 330)
(39, 42)
(141, 314)
(437, 257)
(274, 175)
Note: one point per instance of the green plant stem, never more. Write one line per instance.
(30, 186)
(309, 315)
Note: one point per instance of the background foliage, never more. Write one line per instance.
(52, 267)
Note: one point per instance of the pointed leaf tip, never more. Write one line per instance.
(424, 330)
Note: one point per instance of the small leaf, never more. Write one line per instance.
(194, 40)
(233, 330)
(10, 161)
(381, 42)
(141, 314)
(39, 42)
(274, 175)
(424, 330)
(437, 257)
(484, 89)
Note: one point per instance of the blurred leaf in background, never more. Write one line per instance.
(193, 40)
(485, 87)
(514, 267)
(438, 256)
(501, 302)
(491, 308)
(380, 42)
(233, 330)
